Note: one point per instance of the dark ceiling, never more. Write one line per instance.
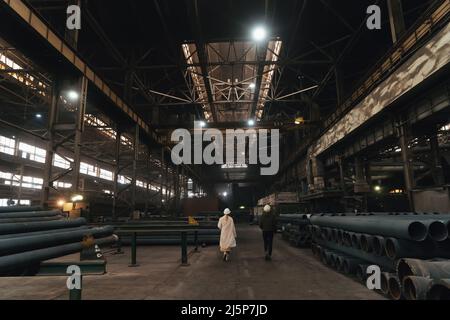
(153, 31)
(146, 36)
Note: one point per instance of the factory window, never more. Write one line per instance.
(32, 153)
(32, 182)
(10, 179)
(190, 186)
(107, 175)
(13, 202)
(141, 184)
(8, 62)
(61, 162)
(7, 145)
(88, 169)
(106, 130)
(6, 202)
(62, 185)
(5, 175)
(27, 182)
(124, 180)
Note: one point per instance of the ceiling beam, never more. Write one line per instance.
(193, 12)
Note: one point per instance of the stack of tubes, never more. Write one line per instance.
(294, 229)
(30, 235)
(411, 249)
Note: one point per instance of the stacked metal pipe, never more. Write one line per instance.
(31, 235)
(392, 242)
(294, 229)
(425, 279)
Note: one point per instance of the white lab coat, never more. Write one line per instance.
(227, 233)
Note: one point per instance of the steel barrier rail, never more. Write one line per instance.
(183, 236)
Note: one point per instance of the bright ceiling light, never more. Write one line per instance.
(259, 33)
(377, 188)
(61, 203)
(251, 122)
(225, 194)
(73, 95)
(38, 115)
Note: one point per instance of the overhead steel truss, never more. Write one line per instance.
(238, 74)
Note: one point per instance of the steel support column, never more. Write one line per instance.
(341, 174)
(396, 19)
(161, 179)
(79, 128)
(167, 182)
(135, 161)
(361, 185)
(405, 138)
(177, 189)
(71, 36)
(436, 164)
(50, 150)
(116, 175)
(339, 85)
(147, 189)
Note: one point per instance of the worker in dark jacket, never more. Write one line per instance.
(268, 225)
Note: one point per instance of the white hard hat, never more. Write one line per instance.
(267, 208)
(227, 211)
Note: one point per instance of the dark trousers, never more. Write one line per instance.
(268, 241)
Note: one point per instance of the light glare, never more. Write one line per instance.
(73, 95)
(259, 34)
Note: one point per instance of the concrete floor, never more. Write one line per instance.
(292, 274)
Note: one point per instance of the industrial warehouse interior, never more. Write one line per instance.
(223, 150)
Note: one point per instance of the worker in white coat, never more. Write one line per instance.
(227, 234)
